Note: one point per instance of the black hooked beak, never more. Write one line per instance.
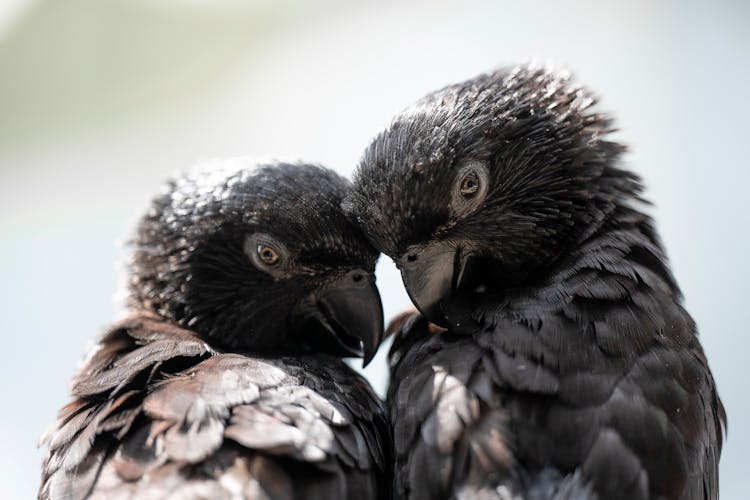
(351, 311)
(431, 274)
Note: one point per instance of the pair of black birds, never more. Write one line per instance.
(551, 356)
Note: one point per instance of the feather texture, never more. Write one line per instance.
(159, 414)
(569, 368)
(600, 392)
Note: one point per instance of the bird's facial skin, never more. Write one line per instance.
(481, 186)
(434, 272)
(470, 188)
(343, 308)
(265, 262)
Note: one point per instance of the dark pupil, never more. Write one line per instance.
(268, 255)
(469, 185)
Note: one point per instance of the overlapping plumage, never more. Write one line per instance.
(247, 285)
(560, 362)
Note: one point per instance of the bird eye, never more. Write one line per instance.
(470, 189)
(469, 184)
(267, 255)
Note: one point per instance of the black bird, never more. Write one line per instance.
(567, 366)
(247, 285)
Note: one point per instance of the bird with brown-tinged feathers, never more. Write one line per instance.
(553, 357)
(246, 288)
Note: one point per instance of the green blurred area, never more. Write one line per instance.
(73, 64)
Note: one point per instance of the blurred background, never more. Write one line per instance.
(100, 100)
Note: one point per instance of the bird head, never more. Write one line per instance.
(258, 257)
(480, 186)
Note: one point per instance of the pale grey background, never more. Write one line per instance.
(101, 100)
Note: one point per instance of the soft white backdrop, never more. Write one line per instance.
(101, 100)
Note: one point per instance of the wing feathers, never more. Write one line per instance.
(159, 414)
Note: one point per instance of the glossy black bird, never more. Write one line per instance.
(246, 287)
(567, 366)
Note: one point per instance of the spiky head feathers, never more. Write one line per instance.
(527, 135)
(230, 248)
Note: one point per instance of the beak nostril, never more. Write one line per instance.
(357, 277)
(412, 257)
